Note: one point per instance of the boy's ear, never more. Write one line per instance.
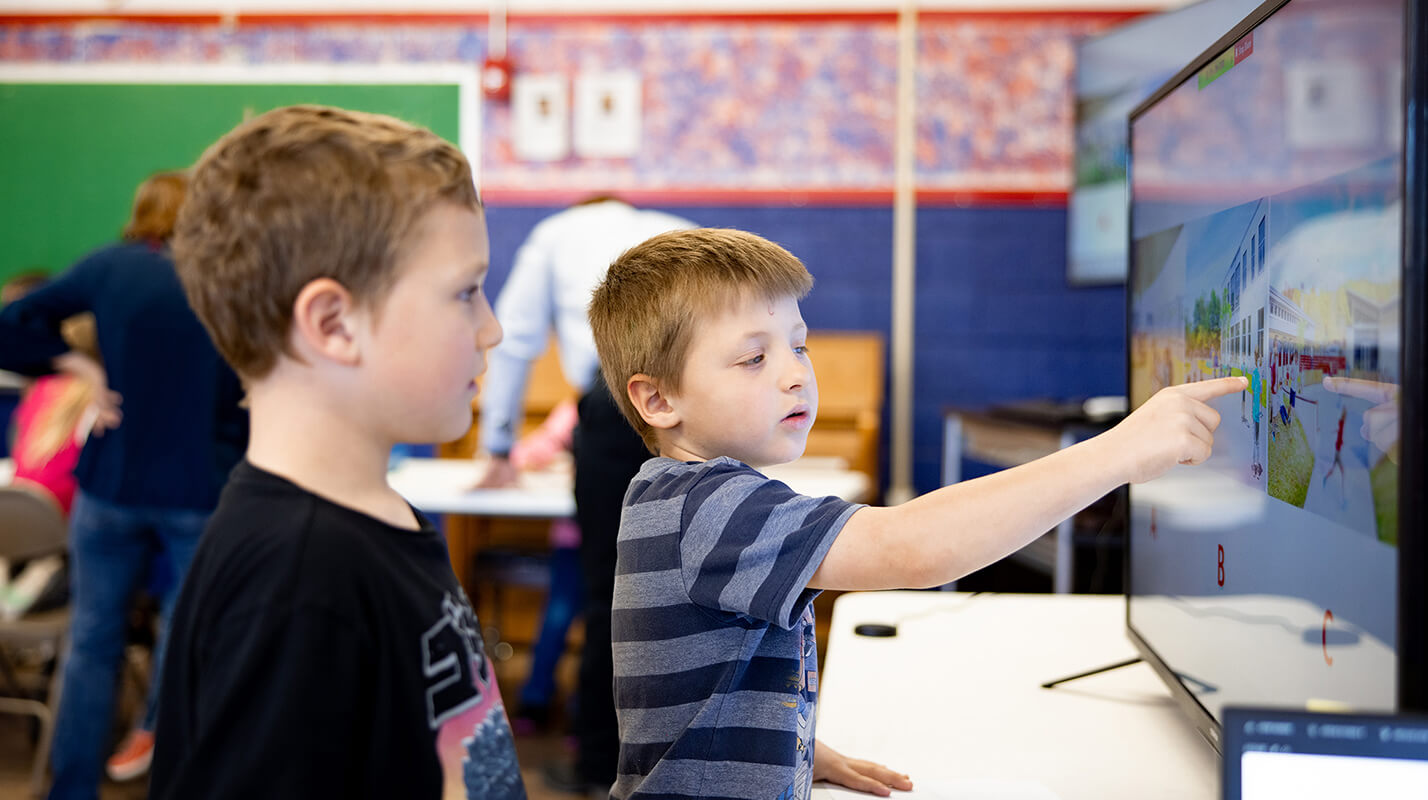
(324, 322)
(652, 403)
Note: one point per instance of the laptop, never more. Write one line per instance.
(1274, 754)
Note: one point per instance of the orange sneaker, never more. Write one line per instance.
(133, 756)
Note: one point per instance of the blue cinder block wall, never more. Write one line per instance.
(996, 321)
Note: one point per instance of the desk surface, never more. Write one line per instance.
(955, 699)
(444, 486)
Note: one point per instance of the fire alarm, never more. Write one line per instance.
(496, 78)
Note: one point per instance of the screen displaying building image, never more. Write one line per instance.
(1265, 242)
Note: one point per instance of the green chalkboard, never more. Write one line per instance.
(73, 153)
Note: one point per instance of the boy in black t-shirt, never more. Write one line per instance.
(321, 646)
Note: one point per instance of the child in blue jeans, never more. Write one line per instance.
(148, 484)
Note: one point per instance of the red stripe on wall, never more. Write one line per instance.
(983, 198)
(633, 17)
(137, 19)
(402, 18)
(1036, 15)
(409, 18)
(688, 17)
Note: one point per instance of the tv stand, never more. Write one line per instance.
(1096, 671)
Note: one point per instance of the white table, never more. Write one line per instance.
(447, 486)
(954, 700)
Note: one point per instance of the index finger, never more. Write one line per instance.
(1373, 391)
(1208, 390)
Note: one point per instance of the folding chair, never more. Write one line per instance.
(31, 526)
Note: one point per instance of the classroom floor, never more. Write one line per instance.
(16, 752)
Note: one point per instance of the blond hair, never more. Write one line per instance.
(156, 206)
(644, 314)
(57, 424)
(301, 193)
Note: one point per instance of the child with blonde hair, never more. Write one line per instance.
(54, 418)
(702, 343)
(50, 423)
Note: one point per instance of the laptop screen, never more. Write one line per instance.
(1300, 755)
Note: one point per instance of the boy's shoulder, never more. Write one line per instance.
(708, 498)
(722, 536)
(258, 506)
(270, 532)
(663, 478)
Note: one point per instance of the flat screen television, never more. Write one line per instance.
(1277, 215)
(1115, 71)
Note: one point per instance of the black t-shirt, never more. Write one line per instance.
(318, 652)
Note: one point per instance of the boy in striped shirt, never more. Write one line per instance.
(702, 343)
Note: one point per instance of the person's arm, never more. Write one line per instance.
(502, 409)
(943, 535)
(103, 401)
(555, 435)
(525, 310)
(30, 339)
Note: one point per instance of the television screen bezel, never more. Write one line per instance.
(1412, 623)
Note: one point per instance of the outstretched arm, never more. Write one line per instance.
(526, 313)
(943, 535)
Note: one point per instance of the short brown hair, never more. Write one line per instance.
(645, 312)
(301, 193)
(156, 207)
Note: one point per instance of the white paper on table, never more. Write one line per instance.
(540, 117)
(607, 114)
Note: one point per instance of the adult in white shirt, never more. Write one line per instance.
(556, 269)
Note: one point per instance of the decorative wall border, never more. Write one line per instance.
(781, 108)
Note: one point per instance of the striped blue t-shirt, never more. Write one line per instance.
(716, 668)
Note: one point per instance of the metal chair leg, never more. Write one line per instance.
(47, 722)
